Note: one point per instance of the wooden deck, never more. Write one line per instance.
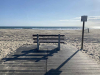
(48, 61)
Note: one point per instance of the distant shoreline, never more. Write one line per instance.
(41, 28)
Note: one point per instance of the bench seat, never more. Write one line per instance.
(48, 41)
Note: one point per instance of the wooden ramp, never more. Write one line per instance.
(70, 61)
(48, 61)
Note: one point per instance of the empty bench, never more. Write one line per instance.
(48, 39)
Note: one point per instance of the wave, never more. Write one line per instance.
(44, 28)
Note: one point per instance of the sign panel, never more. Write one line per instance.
(83, 18)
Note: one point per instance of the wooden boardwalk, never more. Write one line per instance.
(48, 61)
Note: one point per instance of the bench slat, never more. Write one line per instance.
(48, 38)
(49, 41)
(47, 35)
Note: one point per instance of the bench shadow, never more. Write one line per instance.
(34, 52)
(57, 70)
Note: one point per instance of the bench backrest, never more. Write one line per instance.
(48, 38)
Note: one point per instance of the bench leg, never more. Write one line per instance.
(37, 42)
(59, 42)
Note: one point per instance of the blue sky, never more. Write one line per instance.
(49, 12)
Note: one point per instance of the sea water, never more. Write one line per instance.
(41, 28)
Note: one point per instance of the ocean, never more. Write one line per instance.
(41, 28)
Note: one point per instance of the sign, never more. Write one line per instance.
(83, 18)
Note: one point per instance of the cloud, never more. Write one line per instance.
(77, 18)
(63, 20)
(92, 21)
(94, 18)
(90, 18)
(69, 20)
(73, 19)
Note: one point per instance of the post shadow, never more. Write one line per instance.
(57, 70)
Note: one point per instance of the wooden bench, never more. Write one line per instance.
(48, 39)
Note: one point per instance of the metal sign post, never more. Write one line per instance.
(83, 18)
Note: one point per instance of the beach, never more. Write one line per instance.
(12, 39)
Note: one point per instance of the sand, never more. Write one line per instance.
(12, 39)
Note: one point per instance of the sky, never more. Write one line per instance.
(49, 12)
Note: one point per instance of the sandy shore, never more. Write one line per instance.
(12, 39)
